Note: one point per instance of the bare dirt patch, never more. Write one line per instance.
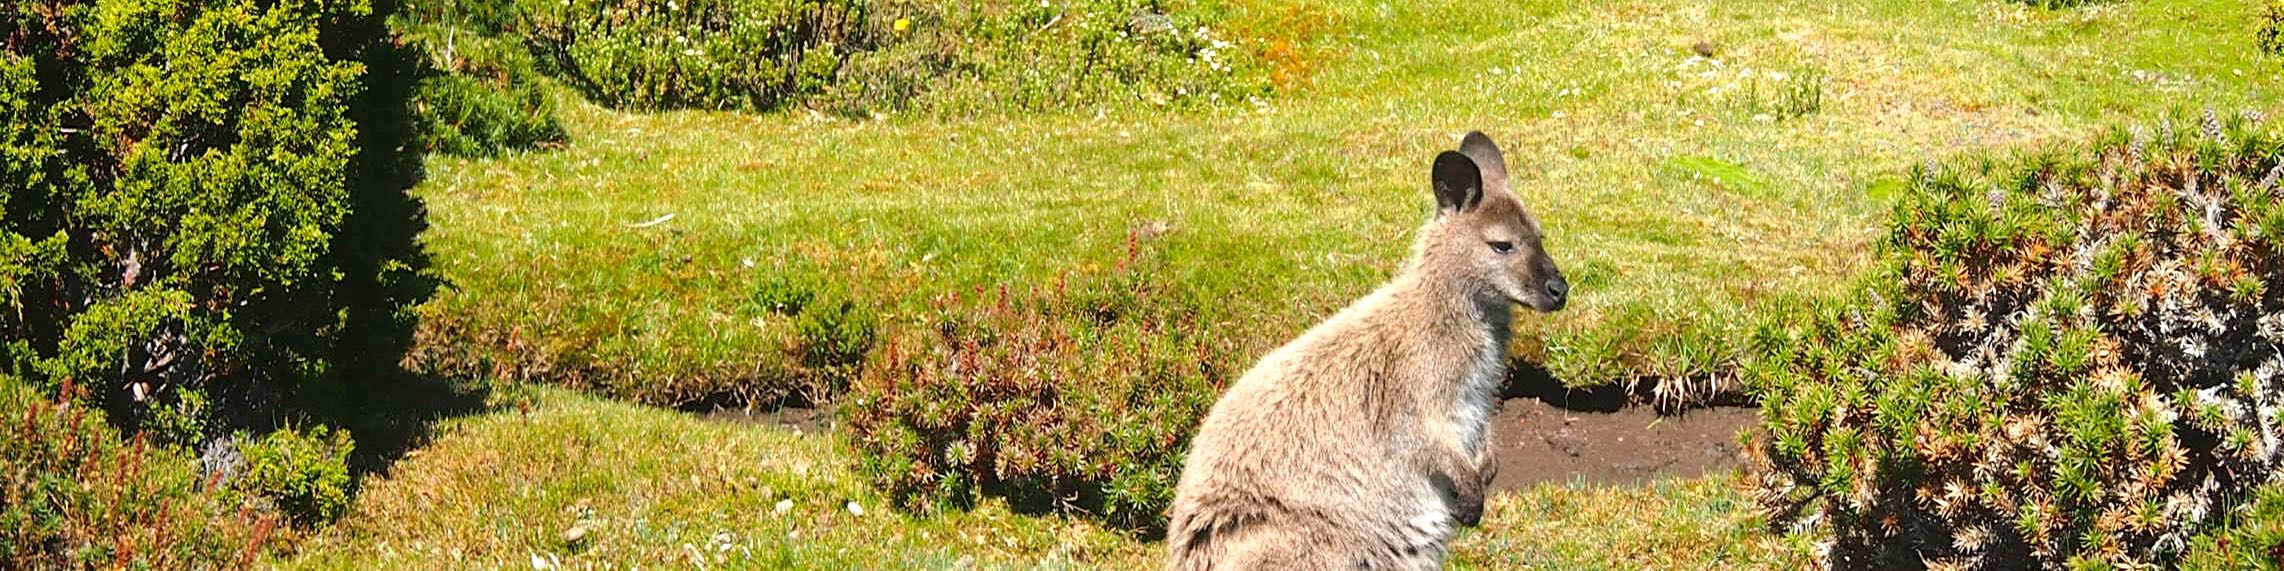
(795, 418)
(1539, 442)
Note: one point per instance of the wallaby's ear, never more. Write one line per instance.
(1458, 183)
(1486, 154)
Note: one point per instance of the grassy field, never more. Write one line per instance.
(1680, 192)
(1685, 195)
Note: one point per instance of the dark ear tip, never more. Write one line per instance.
(1474, 138)
(1452, 162)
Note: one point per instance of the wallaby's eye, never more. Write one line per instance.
(1503, 246)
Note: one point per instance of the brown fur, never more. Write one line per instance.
(1361, 445)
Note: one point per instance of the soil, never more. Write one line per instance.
(796, 418)
(1537, 441)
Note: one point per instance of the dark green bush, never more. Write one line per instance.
(73, 496)
(304, 475)
(2068, 360)
(205, 220)
(1048, 397)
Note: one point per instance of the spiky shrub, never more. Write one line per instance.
(1074, 396)
(74, 496)
(2071, 359)
(202, 205)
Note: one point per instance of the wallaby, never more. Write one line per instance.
(1361, 444)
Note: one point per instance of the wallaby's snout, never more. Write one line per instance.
(1559, 290)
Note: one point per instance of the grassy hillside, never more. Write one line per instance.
(1685, 194)
(1681, 192)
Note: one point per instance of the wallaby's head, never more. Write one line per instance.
(1482, 234)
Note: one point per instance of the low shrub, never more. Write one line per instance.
(832, 331)
(1025, 56)
(2069, 360)
(1075, 396)
(486, 97)
(302, 474)
(709, 54)
(861, 57)
(74, 496)
(2270, 36)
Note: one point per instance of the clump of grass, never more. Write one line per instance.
(799, 336)
(2251, 538)
(1783, 96)
(832, 331)
(2070, 359)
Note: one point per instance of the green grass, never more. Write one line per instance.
(1678, 215)
(660, 488)
(1679, 212)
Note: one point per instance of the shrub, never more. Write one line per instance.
(859, 57)
(832, 331)
(304, 475)
(204, 201)
(1025, 56)
(486, 98)
(2067, 360)
(2270, 36)
(73, 496)
(712, 54)
(1075, 396)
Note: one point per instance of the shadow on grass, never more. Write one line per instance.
(399, 414)
(1527, 380)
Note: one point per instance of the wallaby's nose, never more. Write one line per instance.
(1558, 289)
